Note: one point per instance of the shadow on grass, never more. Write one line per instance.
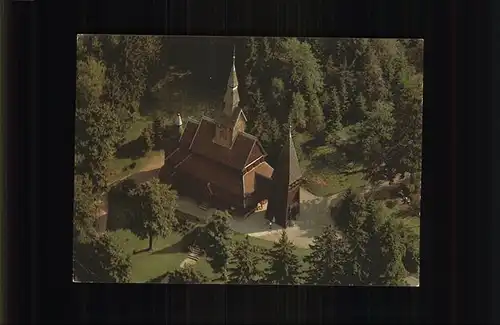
(158, 279)
(134, 149)
(194, 237)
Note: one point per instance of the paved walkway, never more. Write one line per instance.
(314, 216)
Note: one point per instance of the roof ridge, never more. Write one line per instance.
(191, 119)
(208, 119)
(248, 135)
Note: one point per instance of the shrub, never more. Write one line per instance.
(147, 138)
(390, 204)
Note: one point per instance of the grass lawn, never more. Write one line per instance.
(204, 267)
(135, 130)
(122, 168)
(326, 182)
(327, 172)
(149, 265)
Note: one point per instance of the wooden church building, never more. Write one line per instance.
(215, 162)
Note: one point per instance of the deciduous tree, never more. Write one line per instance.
(153, 207)
(99, 258)
(219, 240)
(186, 275)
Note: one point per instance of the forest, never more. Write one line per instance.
(355, 107)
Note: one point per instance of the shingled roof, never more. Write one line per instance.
(235, 157)
(287, 168)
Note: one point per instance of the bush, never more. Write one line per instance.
(390, 204)
(160, 126)
(147, 138)
(412, 259)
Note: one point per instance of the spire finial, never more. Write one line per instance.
(234, 58)
(290, 129)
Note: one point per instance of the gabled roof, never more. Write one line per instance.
(256, 152)
(212, 173)
(234, 157)
(229, 121)
(287, 168)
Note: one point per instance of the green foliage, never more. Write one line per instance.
(186, 275)
(351, 207)
(412, 254)
(329, 255)
(148, 138)
(390, 204)
(392, 253)
(244, 258)
(356, 272)
(96, 123)
(85, 204)
(152, 211)
(218, 240)
(99, 258)
(160, 131)
(284, 265)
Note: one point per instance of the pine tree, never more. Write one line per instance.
(328, 258)
(351, 207)
(356, 273)
(393, 251)
(245, 260)
(284, 265)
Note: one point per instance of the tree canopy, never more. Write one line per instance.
(152, 210)
(284, 265)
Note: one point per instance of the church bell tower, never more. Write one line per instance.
(284, 201)
(229, 121)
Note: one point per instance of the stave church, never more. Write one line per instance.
(214, 161)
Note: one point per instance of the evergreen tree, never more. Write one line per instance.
(355, 271)
(284, 265)
(393, 251)
(351, 207)
(328, 258)
(245, 260)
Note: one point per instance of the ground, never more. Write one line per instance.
(148, 266)
(314, 215)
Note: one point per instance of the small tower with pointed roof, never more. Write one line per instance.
(232, 97)
(284, 200)
(230, 120)
(178, 124)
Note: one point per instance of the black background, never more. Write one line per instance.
(456, 218)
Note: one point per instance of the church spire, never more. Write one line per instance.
(232, 98)
(284, 199)
(288, 168)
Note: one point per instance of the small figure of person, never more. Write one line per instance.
(270, 225)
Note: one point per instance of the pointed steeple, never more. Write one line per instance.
(232, 98)
(288, 167)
